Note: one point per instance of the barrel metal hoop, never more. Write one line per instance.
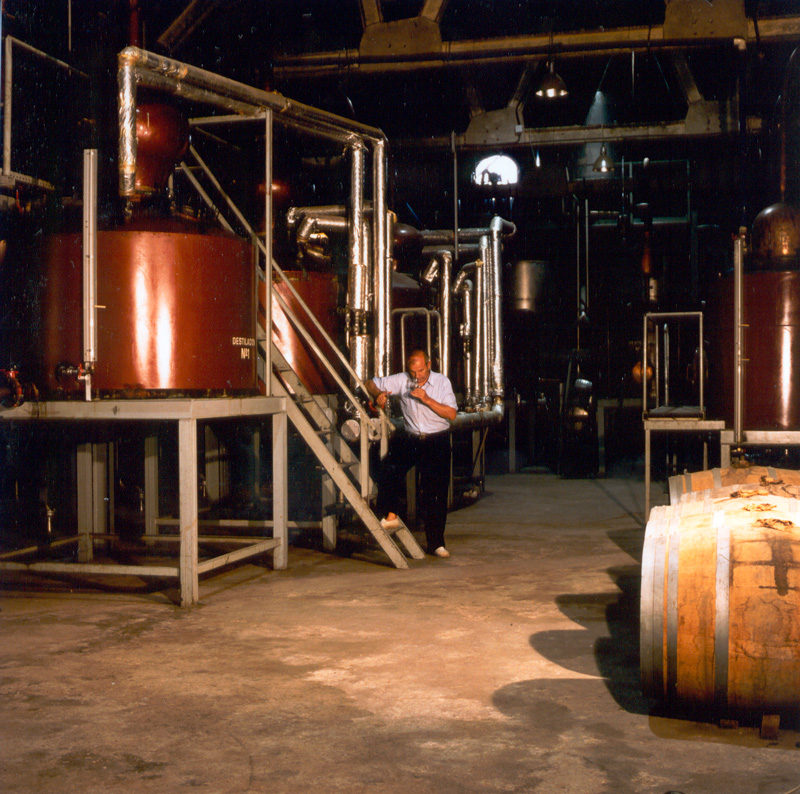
(672, 614)
(655, 528)
(722, 609)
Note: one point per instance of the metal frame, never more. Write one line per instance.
(755, 438)
(653, 317)
(186, 413)
(670, 425)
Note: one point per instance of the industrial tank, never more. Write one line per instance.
(320, 292)
(771, 318)
(175, 311)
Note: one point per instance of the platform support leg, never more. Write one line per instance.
(85, 485)
(150, 484)
(187, 479)
(280, 489)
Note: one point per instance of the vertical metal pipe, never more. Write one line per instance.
(644, 367)
(267, 253)
(466, 334)
(355, 275)
(702, 368)
(738, 329)
(666, 363)
(359, 298)
(8, 77)
(381, 261)
(126, 80)
(483, 329)
(578, 270)
(586, 253)
(477, 345)
(355, 241)
(89, 263)
(445, 299)
(496, 308)
(455, 196)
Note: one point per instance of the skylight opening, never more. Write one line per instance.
(498, 169)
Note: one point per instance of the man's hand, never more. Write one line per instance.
(419, 393)
(381, 399)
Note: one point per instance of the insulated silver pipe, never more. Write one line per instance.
(356, 276)
(464, 249)
(267, 254)
(360, 326)
(476, 419)
(483, 272)
(311, 224)
(464, 288)
(382, 261)
(200, 85)
(499, 228)
(8, 78)
(738, 331)
(446, 237)
(296, 214)
(445, 298)
(357, 270)
(89, 265)
(226, 88)
(126, 80)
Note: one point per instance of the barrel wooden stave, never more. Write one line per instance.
(710, 479)
(712, 579)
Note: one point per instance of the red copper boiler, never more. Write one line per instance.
(771, 349)
(320, 292)
(176, 311)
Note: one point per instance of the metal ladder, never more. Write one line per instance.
(307, 413)
(313, 424)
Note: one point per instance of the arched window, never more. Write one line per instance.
(497, 169)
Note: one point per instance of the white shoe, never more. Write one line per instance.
(442, 552)
(393, 523)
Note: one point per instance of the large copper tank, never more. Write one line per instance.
(320, 292)
(176, 311)
(771, 349)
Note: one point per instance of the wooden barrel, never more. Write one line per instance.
(683, 484)
(720, 606)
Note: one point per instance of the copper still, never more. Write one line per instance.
(176, 311)
(771, 308)
(320, 292)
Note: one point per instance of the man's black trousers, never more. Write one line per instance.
(431, 455)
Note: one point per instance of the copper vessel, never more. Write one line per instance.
(320, 292)
(775, 238)
(162, 139)
(771, 350)
(176, 311)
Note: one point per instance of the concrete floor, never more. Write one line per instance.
(511, 667)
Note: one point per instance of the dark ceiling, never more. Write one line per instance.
(671, 80)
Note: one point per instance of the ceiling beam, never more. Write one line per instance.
(599, 43)
(571, 136)
(371, 13)
(434, 10)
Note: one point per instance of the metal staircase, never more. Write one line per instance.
(310, 414)
(314, 424)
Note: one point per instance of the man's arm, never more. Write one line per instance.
(440, 409)
(378, 397)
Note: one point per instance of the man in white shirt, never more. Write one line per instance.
(428, 406)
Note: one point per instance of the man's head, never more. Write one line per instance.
(418, 366)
